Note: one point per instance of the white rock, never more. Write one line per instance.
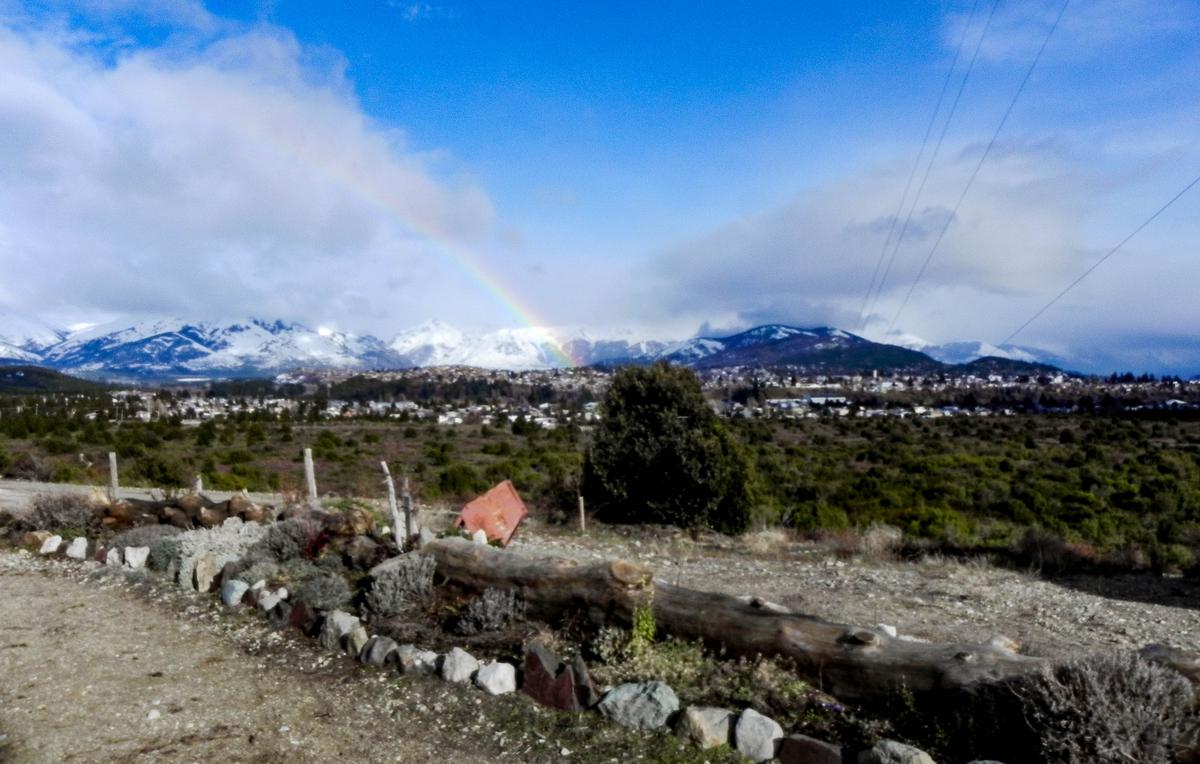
(259, 585)
(458, 665)
(112, 557)
(480, 537)
(136, 556)
(78, 548)
(887, 629)
(51, 545)
(497, 678)
(268, 600)
(154, 715)
(414, 660)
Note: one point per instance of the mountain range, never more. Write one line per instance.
(178, 348)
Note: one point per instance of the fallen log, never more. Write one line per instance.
(854, 664)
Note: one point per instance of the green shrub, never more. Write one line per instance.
(661, 455)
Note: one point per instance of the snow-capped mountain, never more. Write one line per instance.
(967, 351)
(434, 343)
(176, 346)
(22, 338)
(701, 350)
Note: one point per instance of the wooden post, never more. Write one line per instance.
(310, 478)
(401, 541)
(582, 516)
(410, 517)
(112, 476)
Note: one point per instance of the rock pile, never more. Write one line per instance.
(186, 512)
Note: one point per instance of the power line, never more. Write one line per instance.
(983, 157)
(929, 167)
(1100, 262)
(917, 164)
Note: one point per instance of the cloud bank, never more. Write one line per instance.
(210, 176)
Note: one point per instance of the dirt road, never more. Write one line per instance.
(92, 672)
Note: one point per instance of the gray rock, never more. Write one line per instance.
(336, 628)
(802, 749)
(356, 640)
(640, 705)
(379, 651)
(414, 660)
(705, 727)
(204, 572)
(985, 761)
(458, 665)
(425, 536)
(232, 592)
(51, 545)
(757, 735)
(497, 678)
(112, 557)
(480, 537)
(136, 556)
(78, 549)
(891, 752)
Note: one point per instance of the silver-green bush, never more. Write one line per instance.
(491, 611)
(324, 592)
(1112, 708)
(400, 583)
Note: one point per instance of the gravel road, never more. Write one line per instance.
(15, 495)
(938, 600)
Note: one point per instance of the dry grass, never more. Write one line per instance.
(770, 542)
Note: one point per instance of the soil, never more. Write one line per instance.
(124, 667)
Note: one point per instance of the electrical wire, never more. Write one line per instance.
(1099, 262)
(917, 164)
(932, 160)
(982, 158)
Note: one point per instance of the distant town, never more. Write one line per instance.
(551, 399)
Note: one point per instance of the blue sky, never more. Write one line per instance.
(653, 166)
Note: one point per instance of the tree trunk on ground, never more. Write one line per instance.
(854, 664)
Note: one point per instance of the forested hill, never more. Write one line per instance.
(29, 380)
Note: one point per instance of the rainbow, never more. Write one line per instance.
(466, 261)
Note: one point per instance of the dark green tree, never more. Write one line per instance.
(661, 455)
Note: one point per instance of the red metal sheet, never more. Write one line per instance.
(498, 512)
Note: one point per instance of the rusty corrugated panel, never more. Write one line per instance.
(498, 512)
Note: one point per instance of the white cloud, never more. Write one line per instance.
(1033, 221)
(213, 178)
